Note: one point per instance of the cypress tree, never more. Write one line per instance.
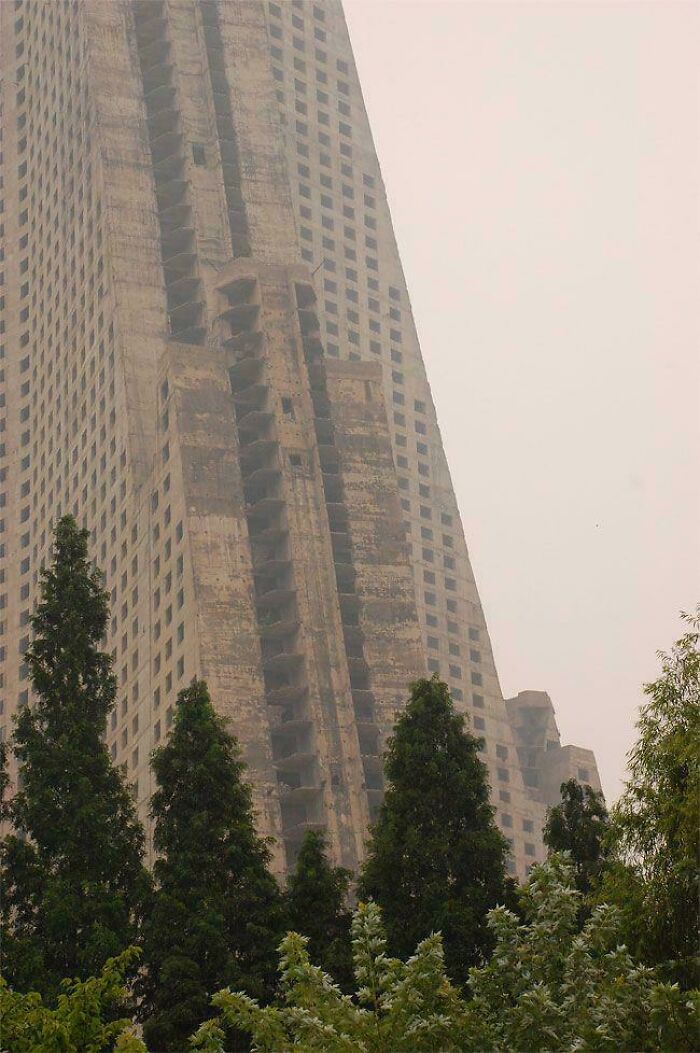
(74, 883)
(436, 860)
(217, 916)
(316, 908)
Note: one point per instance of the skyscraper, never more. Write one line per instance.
(209, 357)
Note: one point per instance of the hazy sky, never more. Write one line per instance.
(542, 162)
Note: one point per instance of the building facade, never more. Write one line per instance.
(209, 357)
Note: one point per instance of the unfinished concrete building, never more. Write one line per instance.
(208, 356)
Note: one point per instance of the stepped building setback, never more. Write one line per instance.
(208, 356)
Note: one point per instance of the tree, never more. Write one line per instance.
(316, 897)
(399, 1007)
(550, 987)
(656, 822)
(578, 825)
(217, 915)
(436, 860)
(74, 882)
(82, 1021)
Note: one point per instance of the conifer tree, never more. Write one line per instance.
(217, 917)
(578, 825)
(436, 861)
(73, 881)
(316, 908)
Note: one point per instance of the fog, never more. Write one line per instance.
(542, 162)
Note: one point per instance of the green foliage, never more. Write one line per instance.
(578, 826)
(316, 897)
(82, 1021)
(399, 1007)
(73, 880)
(656, 822)
(549, 987)
(436, 860)
(217, 914)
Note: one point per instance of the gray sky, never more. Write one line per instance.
(543, 163)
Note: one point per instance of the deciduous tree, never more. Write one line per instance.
(654, 875)
(83, 1021)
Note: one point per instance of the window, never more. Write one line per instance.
(198, 154)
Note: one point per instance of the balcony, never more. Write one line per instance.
(171, 167)
(289, 693)
(241, 317)
(240, 292)
(244, 373)
(345, 576)
(244, 343)
(163, 119)
(308, 320)
(182, 291)
(157, 77)
(306, 297)
(332, 487)
(295, 762)
(270, 567)
(160, 99)
(175, 217)
(170, 192)
(193, 334)
(185, 315)
(325, 432)
(253, 396)
(313, 348)
(255, 453)
(263, 506)
(277, 630)
(251, 424)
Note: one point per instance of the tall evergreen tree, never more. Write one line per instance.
(74, 883)
(437, 859)
(316, 908)
(578, 825)
(218, 915)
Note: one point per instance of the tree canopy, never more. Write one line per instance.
(654, 875)
(547, 987)
(578, 825)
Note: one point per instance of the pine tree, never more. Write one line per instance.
(316, 898)
(217, 916)
(436, 861)
(578, 825)
(74, 883)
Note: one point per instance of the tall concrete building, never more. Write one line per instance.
(209, 357)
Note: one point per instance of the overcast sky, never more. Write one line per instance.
(542, 162)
